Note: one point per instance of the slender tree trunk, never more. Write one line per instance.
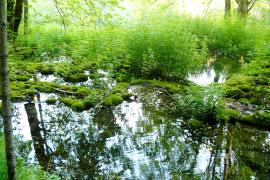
(228, 7)
(10, 14)
(242, 8)
(5, 93)
(18, 16)
(25, 12)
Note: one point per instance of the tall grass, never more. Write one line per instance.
(157, 45)
(3, 167)
(162, 47)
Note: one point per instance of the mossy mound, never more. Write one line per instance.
(51, 101)
(251, 87)
(113, 100)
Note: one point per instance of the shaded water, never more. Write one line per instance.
(139, 139)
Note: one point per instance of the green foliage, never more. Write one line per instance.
(232, 37)
(161, 47)
(156, 46)
(3, 166)
(24, 172)
(200, 103)
(46, 42)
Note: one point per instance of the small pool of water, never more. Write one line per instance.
(216, 71)
(137, 139)
(105, 81)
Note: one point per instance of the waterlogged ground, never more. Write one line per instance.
(140, 138)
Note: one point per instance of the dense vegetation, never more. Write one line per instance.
(158, 50)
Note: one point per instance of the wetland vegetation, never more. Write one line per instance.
(145, 89)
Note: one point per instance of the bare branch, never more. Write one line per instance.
(251, 5)
(60, 12)
(93, 12)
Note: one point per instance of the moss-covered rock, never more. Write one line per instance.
(47, 69)
(51, 101)
(251, 88)
(119, 88)
(113, 100)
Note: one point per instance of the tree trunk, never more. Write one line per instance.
(5, 93)
(10, 14)
(25, 12)
(242, 8)
(17, 16)
(228, 7)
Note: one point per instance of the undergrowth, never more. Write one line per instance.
(24, 172)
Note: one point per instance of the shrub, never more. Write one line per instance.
(163, 48)
(200, 103)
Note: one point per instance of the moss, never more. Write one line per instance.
(233, 114)
(127, 95)
(21, 89)
(90, 102)
(51, 101)
(21, 78)
(47, 69)
(1, 107)
(113, 100)
(261, 118)
(73, 103)
(137, 82)
(248, 119)
(251, 86)
(119, 88)
(194, 123)
(78, 106)
(83, 91)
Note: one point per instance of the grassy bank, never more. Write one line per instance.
(24, 172)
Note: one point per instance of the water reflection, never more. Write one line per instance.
(216, 71)
(141, 140)
(38, 141)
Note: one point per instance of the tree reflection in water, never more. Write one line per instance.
(142, 140)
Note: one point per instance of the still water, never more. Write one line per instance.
(138, 139)
(216, 70)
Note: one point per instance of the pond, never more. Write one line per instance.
(216, 70)
(138, 139)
